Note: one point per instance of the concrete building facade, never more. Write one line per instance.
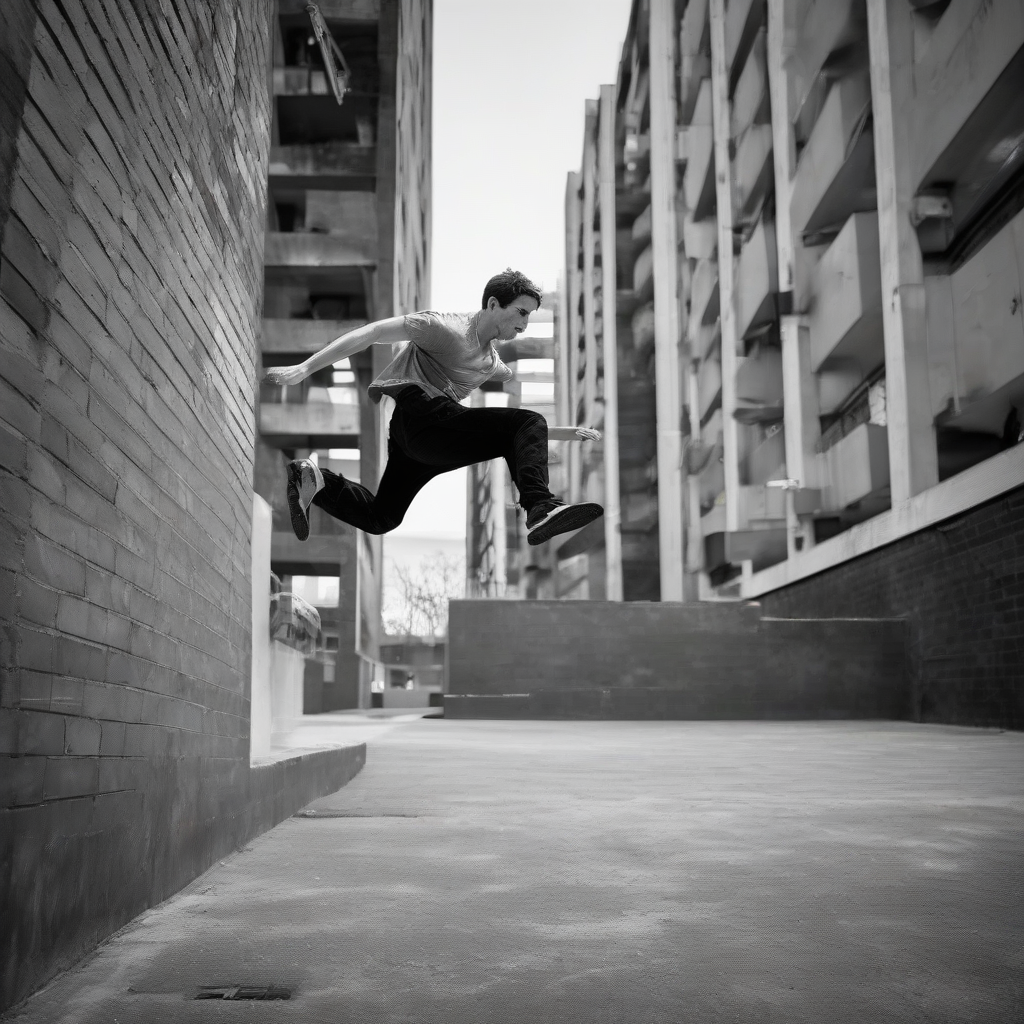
(499, 562)
(348, 225)
(818, 352)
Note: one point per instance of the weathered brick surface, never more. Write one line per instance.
(960, 587)
(133, 144)
(582, 659)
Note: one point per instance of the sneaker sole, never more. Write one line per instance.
(572, 518)
(300, 522)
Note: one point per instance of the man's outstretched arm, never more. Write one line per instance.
(573, 434)
(380, 332)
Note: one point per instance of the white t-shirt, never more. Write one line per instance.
(443, 357)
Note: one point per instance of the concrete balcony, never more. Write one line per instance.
(763, 546)
(712, 522)
(640, 233)
(704, 303)
(987, 332)
(857, 467)
(296, 249)
(757, 280)
(694, 55)
(711, 481)
(642, 324)
(699, 176)
(319, 555)
(293, 340)
(310, 425)
(743, 19)
(762, 506)
(709, 385)
(643, 274)
(750, 102)
(324, 165)
(836, 172)
(768, 460)
(826, 27)
(969, 86)
(699, 237)
(300, 81)
(759, 387)
(846, 315)
(753, 171)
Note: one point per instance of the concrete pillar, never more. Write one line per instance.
(913, 459)
(799, 385)
(666, 328)
(572, 274)
(612, 511)
(726, 263)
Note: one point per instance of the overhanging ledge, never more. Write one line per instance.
(952, 497)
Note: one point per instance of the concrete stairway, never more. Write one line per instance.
(595, 659)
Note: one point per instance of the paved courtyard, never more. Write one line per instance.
(607, 871)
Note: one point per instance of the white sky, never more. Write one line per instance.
(510, 81)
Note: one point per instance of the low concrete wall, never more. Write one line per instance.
(80, 869)
(558, 659)
(278, 788)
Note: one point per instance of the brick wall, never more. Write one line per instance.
(132, 190)
(669, 660)
(960, 586)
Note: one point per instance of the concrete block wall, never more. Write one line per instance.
(960, 588)
(133, 149)
(591, 659)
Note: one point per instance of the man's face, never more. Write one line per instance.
(512, 320)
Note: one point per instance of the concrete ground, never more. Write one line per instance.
(608, 871)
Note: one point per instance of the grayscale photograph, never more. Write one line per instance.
(512, 511)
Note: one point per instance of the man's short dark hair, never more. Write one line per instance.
(508, 286)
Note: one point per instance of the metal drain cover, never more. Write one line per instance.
(244, 992)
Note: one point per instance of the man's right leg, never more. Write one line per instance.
(358, 506)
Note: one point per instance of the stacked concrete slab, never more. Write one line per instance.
(348, 222)
(596, 659)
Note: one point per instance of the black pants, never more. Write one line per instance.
(430, 436)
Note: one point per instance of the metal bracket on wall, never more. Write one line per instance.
(338, 73)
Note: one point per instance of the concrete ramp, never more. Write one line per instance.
(639, 660)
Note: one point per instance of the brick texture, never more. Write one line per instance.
(134, 139)
(595, 659)
(960, 588)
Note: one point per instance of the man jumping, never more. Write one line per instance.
(448, 355)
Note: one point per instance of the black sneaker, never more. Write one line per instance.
(555, 517)
(304, 481)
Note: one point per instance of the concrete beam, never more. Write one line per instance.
(302, 249)
(527, 348)
(320, 555)
(310, 425)
(300, 338)
(324, 165)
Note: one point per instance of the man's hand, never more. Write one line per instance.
(285, 375)
(588, 434)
